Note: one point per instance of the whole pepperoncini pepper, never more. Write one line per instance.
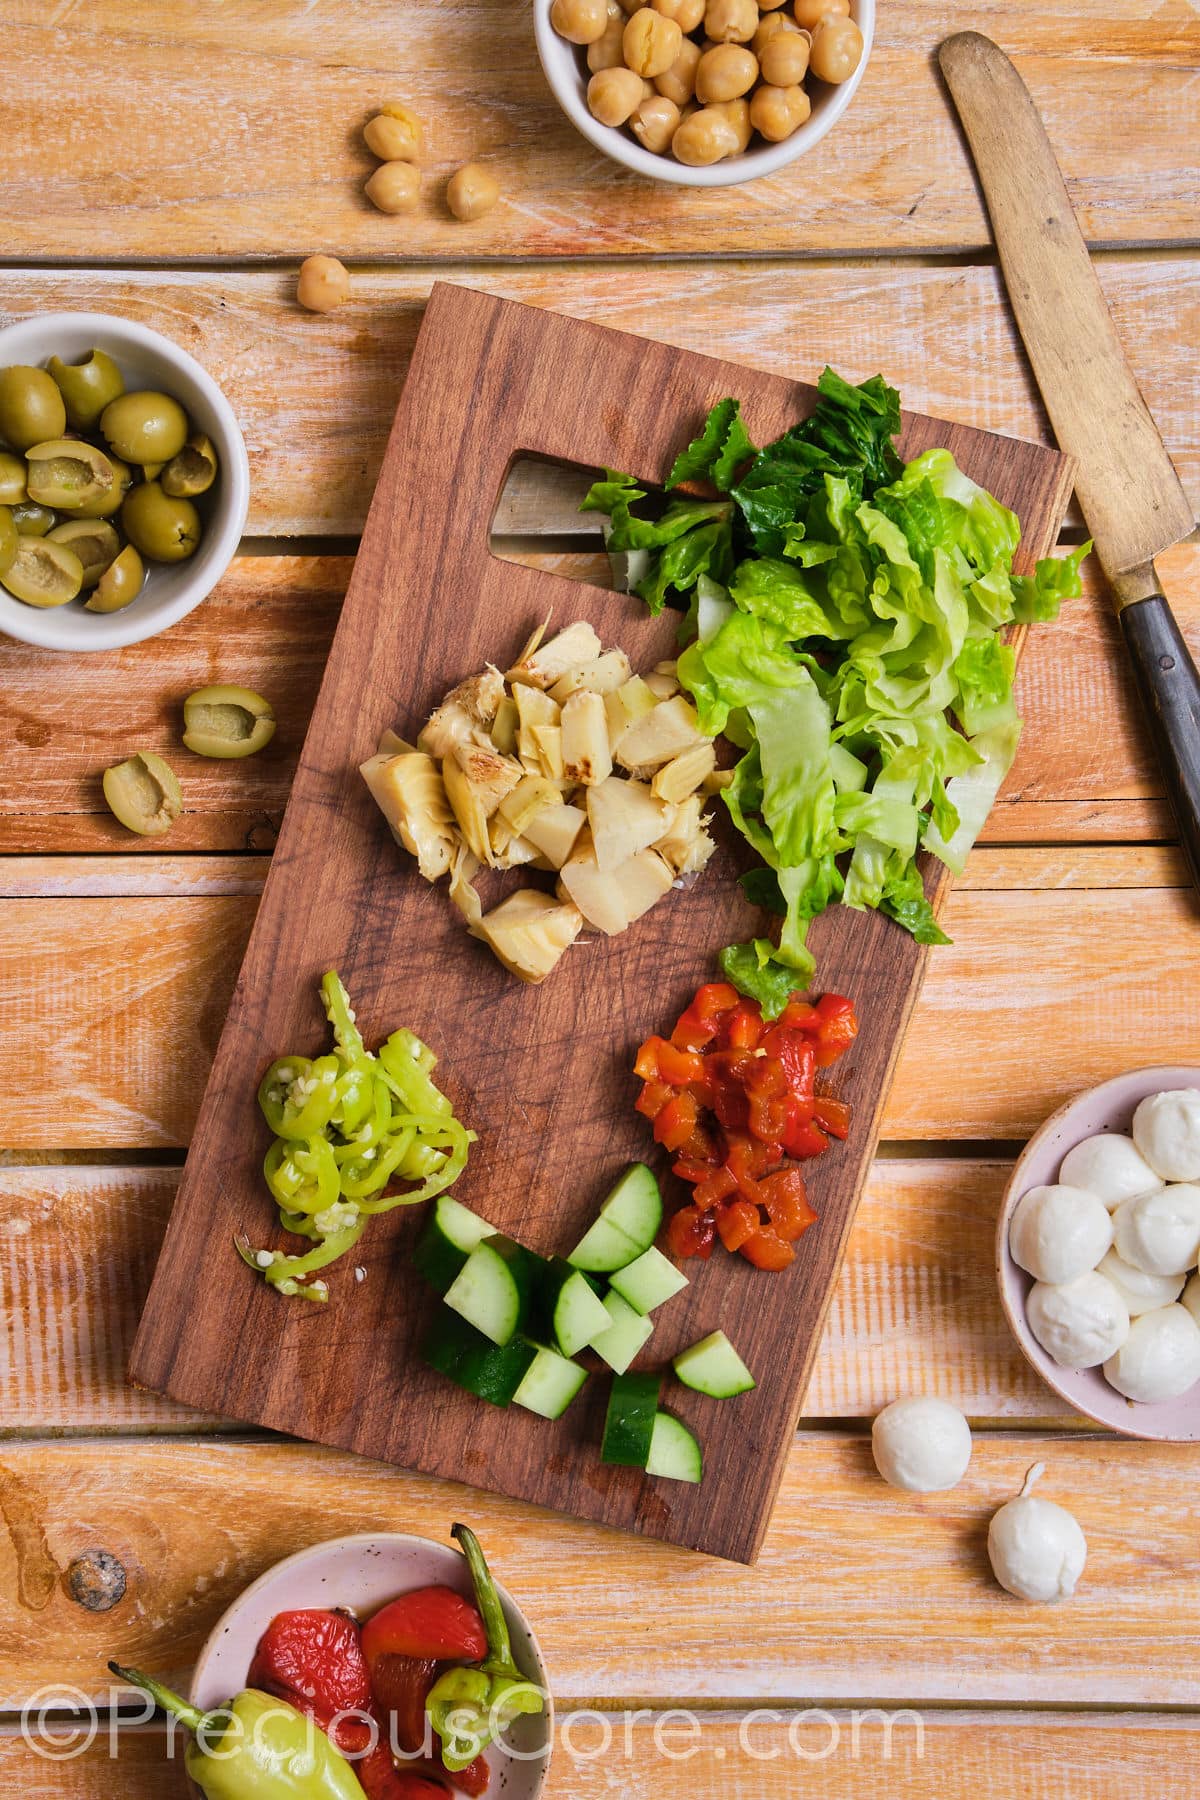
(256, 1747)
(470, 1706)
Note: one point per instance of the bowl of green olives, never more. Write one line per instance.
(124, 482)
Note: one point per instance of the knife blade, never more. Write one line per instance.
(1126, 484)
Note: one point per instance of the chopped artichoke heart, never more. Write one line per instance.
(607, 672)
(686, 846)
(469, 809)
(504, 727)
(553, 832)
(624, 707)
(509, 849)
(611, 899)
(392, 744)
(661, 684)
(661, 735)
(490, 774)
(549, 741)
(532, 795)
(530, 931)
(410, 793)
(463, 871)
(534, 709)
(465, 715)
(624, 817)
(547, 662)
(718, 780)
(675, 780)
(586, 755)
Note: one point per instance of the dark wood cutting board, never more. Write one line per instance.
(543, 1074)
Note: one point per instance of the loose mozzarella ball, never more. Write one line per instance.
(1160, 1232)
(1160, 1359)
(921, 1445)
(1141, 1293)
(1109, 1166)
(1037, 1550)
(1079, 1324)
(1166, 1129)
(1059, 1233)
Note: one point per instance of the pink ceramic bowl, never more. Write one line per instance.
(362, 1574)
(1109, 1107)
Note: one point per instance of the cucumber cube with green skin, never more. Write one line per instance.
(603, 1247)
(628, 1330)
(674, 1450)
(550, 1384)
(714, 1367)
(456, 1350)
(569, 1307)
(629, 1222)
(649, 1281)
(451, 1232)
(629, 1422)
(494, 1289)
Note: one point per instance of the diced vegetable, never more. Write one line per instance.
(675, 780)
(451, 1232)
(494, 1290)
(465, 716)
(660, 736)
(713, 1367)
(585, 752)
(648, 1282)
(603, 1247)
(611, 899)
(627, 1331)
(569, 1307)
(609, 671)
(624, 817)
(492, 1372)
(530, 931)
(634, 1205)
(554, 832)
(629, 1423)
(674, 1450)
(409, 792)
(546, 663)
(550, 1384)
(624, 707)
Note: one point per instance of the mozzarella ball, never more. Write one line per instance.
(1037, 1550)
(921, 1445)
(1191, 1297)
(1058, 1233)
(1166, 1129)
(1160, 1232)
(1141, 1292)
(1160, 1359)
(1109, 1166)
(1079, 1324)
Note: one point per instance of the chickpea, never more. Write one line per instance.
(687, 14)
(738, 113)
(394, 134)
(768, 6)
(837, 49)
(784, 61)
(724, 72)
(809, 13)
(651, 43)
(631, 6)
(323, 283)
(395, 187)
(706, 137)
(678, 83)
(606, 51)
(614, 94)
(770, 27)
(775, 112)
(471, 191)
(579, 21)
(731, 21)
(655, 122)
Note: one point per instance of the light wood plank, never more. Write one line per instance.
(639, 1754)
(861, 1591)
(247, 142)
(315, 395)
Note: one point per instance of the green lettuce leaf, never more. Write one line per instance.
(718, 453)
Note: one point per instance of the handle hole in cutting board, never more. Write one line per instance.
(537, 522)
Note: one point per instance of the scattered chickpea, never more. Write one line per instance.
(837, 49)
(395, 187)
(471, 192)
(655, 122)
(725, 72)
(773, 24)
(579, 21)
(394, 134)
(738, 113)
(809, 13)
(784, 61)
(651, 43)
(775, 112)
(731, 21)
(605, 52)
(687, 14)
(678, 83)
(705, 137)
(323, 283)
(614, 94)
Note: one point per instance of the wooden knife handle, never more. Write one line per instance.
(1170, 691)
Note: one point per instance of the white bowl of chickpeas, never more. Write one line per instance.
(704, 93)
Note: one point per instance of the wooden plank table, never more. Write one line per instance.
(868, 1649)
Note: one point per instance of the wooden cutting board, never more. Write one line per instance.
(543, 1074)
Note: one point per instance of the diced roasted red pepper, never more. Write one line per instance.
(797, 1058)
(737, 1222)
(691, 1232)
(436, 1622)
(652, 1099)
(832, 1115)
(767, 1250)
(786, 1200)
(837, 1030)
(674, 1125)
(699, 1024)
(804, 1140)
(800, 1014)
(380, 1779)
(713, 1187)
(742, 1028)
(316, 1656)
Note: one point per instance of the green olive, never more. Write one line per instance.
(31, 407)
(67, 474)
(9, 539)
(106, 504)
(227, 721)
(152, 471)
(32, 520)
(94, 542)
(193, 471)
(145, 427)
(143, 794)
(87, 386)
(12, 479)
(120, 583)
(162, 528)
(42, 573)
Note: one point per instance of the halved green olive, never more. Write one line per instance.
(12, 479)
(32, 520)
(106, 504)
(145, 427)
(227, 721)
(194, 470)
(143, 794)
(87, 386)
(94, 542)
(120, 583)
(162, 528)
(67, 473)
(42, 573)
(9, 539)
(31, 407)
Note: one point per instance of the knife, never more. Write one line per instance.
(1126, 484)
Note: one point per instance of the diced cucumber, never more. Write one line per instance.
(485, 1369)
(494, 1288)
(569, 1307)
(550, 1383)
(628, 1223)
(451, 1232)
(648, 1281)
(627, 1332)
(674, 1450)
(602, 1247)
(629, 1423)
(714, 1367)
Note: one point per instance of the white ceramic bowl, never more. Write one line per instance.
(1109, 1107)
(146, 359)
(566, 70)
(363, 1574)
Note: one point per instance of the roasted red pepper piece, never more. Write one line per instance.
(837, 1030)
(435, 1622)
(803, 1140)
(691, 1232)
(380, 1779)
(832, 1115)
(767, 1250)
(674, 1125)
(786, 1200)
(652, 1099)
(400, 1685)
(701, 1021)
(737, 1222)
(315, 1656)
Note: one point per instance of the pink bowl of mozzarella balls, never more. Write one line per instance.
(1097, 1250)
